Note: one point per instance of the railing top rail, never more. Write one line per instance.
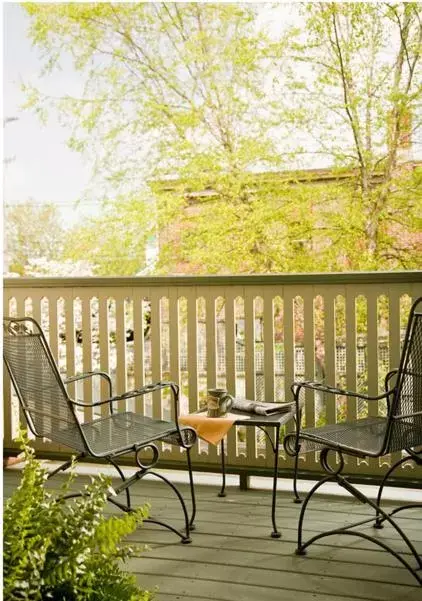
(282, 279)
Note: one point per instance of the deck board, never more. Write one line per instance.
(232, 555)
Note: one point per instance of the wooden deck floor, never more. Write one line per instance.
(233, 558)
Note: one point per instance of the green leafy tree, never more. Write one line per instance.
(359, 101)
(31, 232)
(115, 242)
(172, 91)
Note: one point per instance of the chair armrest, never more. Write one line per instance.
(147, 389)
(91, 374)
(296, 386)
(132, 394)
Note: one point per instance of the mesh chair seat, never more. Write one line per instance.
(126, 430)
(363, 437)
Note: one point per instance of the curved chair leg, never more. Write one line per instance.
(127, 482)
(151, 520)
(185, 538)
(334, 475)
(413, 456)
(300, 550)
(124, 479)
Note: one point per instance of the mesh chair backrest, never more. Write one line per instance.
(406, 422)
(38, 383)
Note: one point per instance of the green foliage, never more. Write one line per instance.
(115, 242)
(31, 232)
(238, 234)
(364, 67)
(65, 550)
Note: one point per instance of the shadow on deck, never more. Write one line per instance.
(233, 557)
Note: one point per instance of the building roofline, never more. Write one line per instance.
(315, 175)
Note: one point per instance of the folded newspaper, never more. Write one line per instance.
(261, 408)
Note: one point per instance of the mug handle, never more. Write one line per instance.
(229, 399)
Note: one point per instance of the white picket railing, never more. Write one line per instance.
(253, 335)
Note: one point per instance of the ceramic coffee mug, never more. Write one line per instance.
(218, 402)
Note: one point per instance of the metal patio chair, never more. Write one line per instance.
(399, 430)
(51, 413)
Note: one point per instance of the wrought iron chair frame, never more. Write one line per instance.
(413, 454)
(326, 440)
(167, 432)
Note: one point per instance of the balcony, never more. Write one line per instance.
(253, 335)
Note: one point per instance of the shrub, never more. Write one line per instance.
(65, 550)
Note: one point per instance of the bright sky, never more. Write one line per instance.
(44, 168)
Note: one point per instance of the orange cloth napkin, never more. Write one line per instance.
(211, 429)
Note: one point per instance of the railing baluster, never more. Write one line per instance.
(372, 360)
(351, 366)
(156, 367)
(250, 369)
(36, 305)
(330, 355)
(211, 339)
(372, 349)
(230, 340)
(269, 367)
(53, 326)
(289, 344)
(104, 345)
(174, 334)
(269, 364)
(394, 341)
(121, 368)
(70, 338)
(192, 315)
(309, 351)
(87, 353)
(211, 344)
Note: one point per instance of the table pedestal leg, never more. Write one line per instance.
(223, 470)
(275, 533)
